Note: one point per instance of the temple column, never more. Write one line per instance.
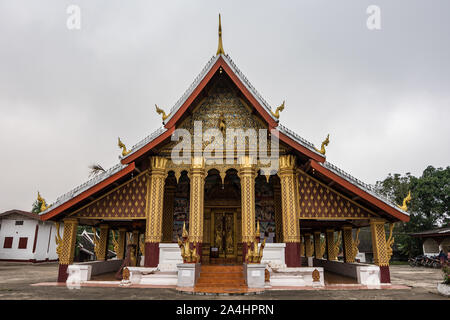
(247, 174)
(154, 211)
(331, 252)
(278, 212)
(120, 252)
(349, 254)
(66, 246)
(169, 195)
(102, 245)
(196, 203)
(290, 208)
(318, 250)
(309, 247)
(380, 252)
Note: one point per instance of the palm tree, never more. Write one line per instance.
(95, 169)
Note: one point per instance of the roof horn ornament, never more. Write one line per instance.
(280, 108)
(324, 144)
(406, 200)
(220, 46)
(124, 148)
(162, 112)
(44, 205)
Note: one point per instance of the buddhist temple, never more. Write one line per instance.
(304, 208)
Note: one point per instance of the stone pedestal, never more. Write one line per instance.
(254, 275)
(273, 255)
(169, 256)
(79, 273)
(188, 274)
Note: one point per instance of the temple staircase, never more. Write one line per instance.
(222, 279)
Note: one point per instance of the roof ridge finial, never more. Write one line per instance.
(220, 47)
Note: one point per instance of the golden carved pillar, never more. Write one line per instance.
(380, 251)
(154, 211)
(290, 209)
(247, 174)
(121, 243)
(318, 248)
(309, 246)
(169, 195)
(66, 246)
(278, 211)
(197, 202)
(331, 252)
(349, 252)
(102, 244)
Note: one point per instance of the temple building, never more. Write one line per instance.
(303, 205)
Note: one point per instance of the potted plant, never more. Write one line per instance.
(444, 287)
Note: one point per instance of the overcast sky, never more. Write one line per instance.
(66, 95)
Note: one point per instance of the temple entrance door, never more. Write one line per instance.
(223, 236)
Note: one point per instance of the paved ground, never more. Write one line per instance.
(15, 280)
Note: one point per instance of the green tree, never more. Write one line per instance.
(428, 209)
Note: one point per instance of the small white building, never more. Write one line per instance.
(434, 241)
(24, 237)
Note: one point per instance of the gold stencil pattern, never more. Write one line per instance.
(318, 201)
(155, 197)
(380, 252)
(127, 201)
(68, 241)
(289, 198)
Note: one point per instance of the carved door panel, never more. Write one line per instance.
(224, 236)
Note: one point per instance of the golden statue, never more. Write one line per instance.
(162, 112)
(41, 200)
(337, 245)
(126, 274)
(404, 207)
(324, 144)
(96, 242)
(114, 241)
(220, 46)
(276, 114)
(221, 123)
(189, 255)
(124, 148)
(254, 255)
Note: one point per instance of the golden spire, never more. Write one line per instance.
(220, 47)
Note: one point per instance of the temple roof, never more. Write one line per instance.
(127, 164)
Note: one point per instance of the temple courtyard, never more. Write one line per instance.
(16, 283)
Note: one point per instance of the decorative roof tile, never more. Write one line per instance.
(85, 186)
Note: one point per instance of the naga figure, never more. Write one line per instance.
(324, 144)
(189, 255)
(162, 112)
(404, 207)
(254, 255)
(276, 114)
(390, 241)
(124, 148)
(41, 200)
